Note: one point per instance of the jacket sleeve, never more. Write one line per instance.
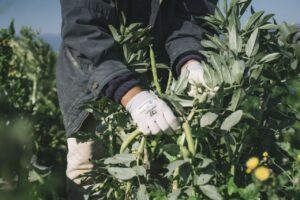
(85, 32)
(185, 34)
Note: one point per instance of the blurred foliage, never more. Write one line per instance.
(32, 140)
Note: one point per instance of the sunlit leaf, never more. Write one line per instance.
(232, 120)
(207, 119)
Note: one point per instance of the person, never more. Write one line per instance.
(90, 67)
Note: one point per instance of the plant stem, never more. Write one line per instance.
(279, 167)
(169, 82)
(146, 159)
(128, 188)
(191, 115)
(230, 153)
(189, 138)
(175, 182)
(154, 72)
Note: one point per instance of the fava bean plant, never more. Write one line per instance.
(232, 142)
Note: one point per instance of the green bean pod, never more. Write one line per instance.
(142, 146)
(154, 72)
(184, 152)
(130, 138)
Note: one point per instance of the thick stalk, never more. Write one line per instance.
(183, 150)
(189, 138)
(128, 189)
(175, 181)
(154, 72)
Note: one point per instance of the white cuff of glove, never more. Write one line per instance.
(151, 114)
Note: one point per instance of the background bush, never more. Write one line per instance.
(32, 139)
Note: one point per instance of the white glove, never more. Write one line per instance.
(195, 73)
(151, 114)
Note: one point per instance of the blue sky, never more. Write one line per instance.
(44, 15)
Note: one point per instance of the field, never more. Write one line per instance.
(239, 136)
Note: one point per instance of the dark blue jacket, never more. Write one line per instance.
(89, 64)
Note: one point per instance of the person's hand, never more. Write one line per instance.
(195, 73)
(151, 114)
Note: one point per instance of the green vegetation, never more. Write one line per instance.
(240, 133)
(32, 139)
(239, 137)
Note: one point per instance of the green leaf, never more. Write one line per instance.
(177, 106)
(216, 63)
(140, 170)
(237, 97)
(232, 120)
(205, 163)
(253, 19)
(217, 41)
(126, 53)
(270, 57)
(208, 44)
(269, 27)
(266, 18)
(203, 179)
(285, 146)
(114, 33)
(142, 193)
(250, 192)
(162, 66)
(252, 42)
(183, 100)
(230, 141)
(218, 14)
(231, 186)
(237, 71)
(255, 71)
(211, 192)
(210, 76)
(174, 195)
(226, 72)
(235, 40)
(134, 26)
(178, 86)
(244, 5)
(207, 119)
(122, 173)
(11, 29)
(172, 149)
(173, 165)
(124, 158)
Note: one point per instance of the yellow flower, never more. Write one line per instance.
(262, 173)
(265, 154)
(252, 163)
(248, 171)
